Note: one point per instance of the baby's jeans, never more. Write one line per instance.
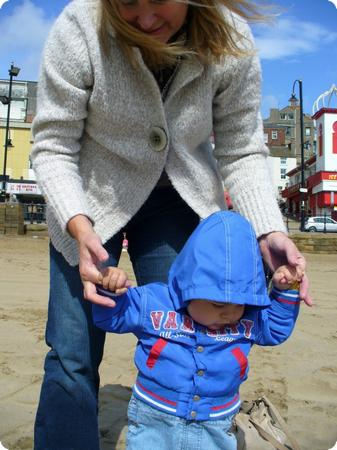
(150, 428)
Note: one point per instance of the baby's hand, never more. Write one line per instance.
(287, 277)
(115, 280)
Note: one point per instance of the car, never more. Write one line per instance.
(320, 223)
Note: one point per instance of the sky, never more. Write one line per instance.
(301, 43)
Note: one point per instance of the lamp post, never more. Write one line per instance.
(13, 72)
(303, 189)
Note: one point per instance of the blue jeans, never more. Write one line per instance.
(67, 414)
(150, 428)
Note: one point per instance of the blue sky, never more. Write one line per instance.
(301, 44)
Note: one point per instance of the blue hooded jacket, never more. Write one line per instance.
(184, 368)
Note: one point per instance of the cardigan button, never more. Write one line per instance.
(200, 349)
(196, 398)
(157, 139)
(193, 414)
(200, 373)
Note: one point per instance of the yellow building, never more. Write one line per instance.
(18, 164)
(20, 178)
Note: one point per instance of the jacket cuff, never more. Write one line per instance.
(289, 298)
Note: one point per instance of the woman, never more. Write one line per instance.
(129, 93)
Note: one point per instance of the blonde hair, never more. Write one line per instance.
(210, 34)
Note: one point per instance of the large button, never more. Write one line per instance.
(200, 349)
(200, 373)
(193, 414)
(157, 139)
(196, 398)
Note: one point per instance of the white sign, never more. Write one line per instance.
(23, 188)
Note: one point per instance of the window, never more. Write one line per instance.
(283, 116)
(307, 131)
(265, 138)
(274, 134)
(290, 116)
(283, 161)
(283, 173)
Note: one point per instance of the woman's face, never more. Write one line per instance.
(160, 19)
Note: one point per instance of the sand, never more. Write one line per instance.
(300, 376)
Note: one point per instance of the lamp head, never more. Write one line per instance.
(14, 71)
(293, 100)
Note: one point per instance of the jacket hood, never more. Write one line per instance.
(221, 261)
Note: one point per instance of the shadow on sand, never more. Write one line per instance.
(113, 401)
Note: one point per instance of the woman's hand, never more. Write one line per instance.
(278, 249)
(92, 256)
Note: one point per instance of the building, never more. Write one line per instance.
(279, 166)
(282, 136)
(282, 132)
(20, 176)
(320, 171)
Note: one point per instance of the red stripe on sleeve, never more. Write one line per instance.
(241, 359)
(155, 352)
(288, 302)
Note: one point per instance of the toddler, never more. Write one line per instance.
(195, 332)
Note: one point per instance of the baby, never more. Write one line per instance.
(194, 334)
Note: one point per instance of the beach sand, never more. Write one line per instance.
(300, 376)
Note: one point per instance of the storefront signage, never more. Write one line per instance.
(23, 188)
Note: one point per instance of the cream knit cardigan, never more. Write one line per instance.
(93, 150)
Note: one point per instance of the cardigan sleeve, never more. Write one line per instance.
(239, 140)
(63, 93)
(277, 322)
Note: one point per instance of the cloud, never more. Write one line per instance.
(1, 3)
(23, 34)
(291, 37)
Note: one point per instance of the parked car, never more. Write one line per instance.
(320, 223)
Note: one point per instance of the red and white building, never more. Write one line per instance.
(320, 170)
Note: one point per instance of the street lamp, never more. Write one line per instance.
(303, 189)
(13, 72)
